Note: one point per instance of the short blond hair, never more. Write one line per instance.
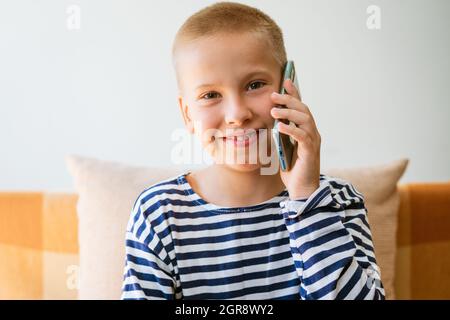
(229, 18)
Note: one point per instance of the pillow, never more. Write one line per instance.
(106, 194)
(378, 184)
(107, 191)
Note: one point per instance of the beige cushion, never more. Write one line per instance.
(378, 184)
(107, 191)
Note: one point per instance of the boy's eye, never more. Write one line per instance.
(256, 85)
(210, 95)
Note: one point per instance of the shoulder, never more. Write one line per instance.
(161, 190)
(154, 199)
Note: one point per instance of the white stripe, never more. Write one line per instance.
(325, 280)
(317, 233)
(232, 257)
(270, 295)
(319, 266)
(305, 222)
(237, 271)
(148, 285)
(233, 243)
(148, 257)
(331, 244)
(227, 230)
(239, 285)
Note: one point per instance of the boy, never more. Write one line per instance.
(228, 231)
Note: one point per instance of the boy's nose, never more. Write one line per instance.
(237, 113)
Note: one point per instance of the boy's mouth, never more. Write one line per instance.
(239, 133)
(241, 138)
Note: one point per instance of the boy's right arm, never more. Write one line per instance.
(148, 272)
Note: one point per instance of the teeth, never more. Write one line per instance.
(242, 137)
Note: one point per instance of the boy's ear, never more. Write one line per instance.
(185, 112)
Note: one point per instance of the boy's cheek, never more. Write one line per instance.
(205, 131)
(268, 105)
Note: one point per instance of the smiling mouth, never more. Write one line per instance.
(242, 138)
(239, 134)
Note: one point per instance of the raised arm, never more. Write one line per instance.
(331, 244)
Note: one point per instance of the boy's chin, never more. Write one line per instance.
(244, 163)
(245, 167)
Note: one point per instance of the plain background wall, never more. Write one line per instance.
(107, 90)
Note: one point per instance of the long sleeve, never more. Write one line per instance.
(331, 244)
(148, 272)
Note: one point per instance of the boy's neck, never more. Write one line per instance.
(223, 186)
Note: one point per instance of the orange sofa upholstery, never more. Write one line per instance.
(423, 242)
(39, 244)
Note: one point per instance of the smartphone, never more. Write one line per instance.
(284, 143)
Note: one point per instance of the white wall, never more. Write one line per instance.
(108, 90)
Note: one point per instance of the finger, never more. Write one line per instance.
(289, 101)
(292, 89)
(301, 136)
(303, 123)
(298, 117)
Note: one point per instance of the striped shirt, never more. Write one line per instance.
(178, 246)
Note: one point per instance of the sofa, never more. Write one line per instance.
(47, 245)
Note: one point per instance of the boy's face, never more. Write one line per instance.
(225, 85)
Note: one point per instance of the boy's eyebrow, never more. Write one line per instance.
(250, 75)
(261, 72)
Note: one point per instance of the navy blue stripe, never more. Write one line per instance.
(238, 278)
(358, 230)
(148, 292)
(336, 185)
(322, 291)
(144, 196)
(365, 290)
(170, 214)
(150, 277)
(245, 291)
(236, 264)
(154, 193)
(220, 225)
(230, 236)
(361, 217)
(303, 293)
(327, 288)
(356, 276)
(325, 271)
(318, 210)
(146, 249)
(353, 194)
(327, 253)
(323, 239)
(316, 226)
(295, 296)
(228, 223)
(319, 197)
(145, 262)
(359, 242)
(361, 254)
(234, 250)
